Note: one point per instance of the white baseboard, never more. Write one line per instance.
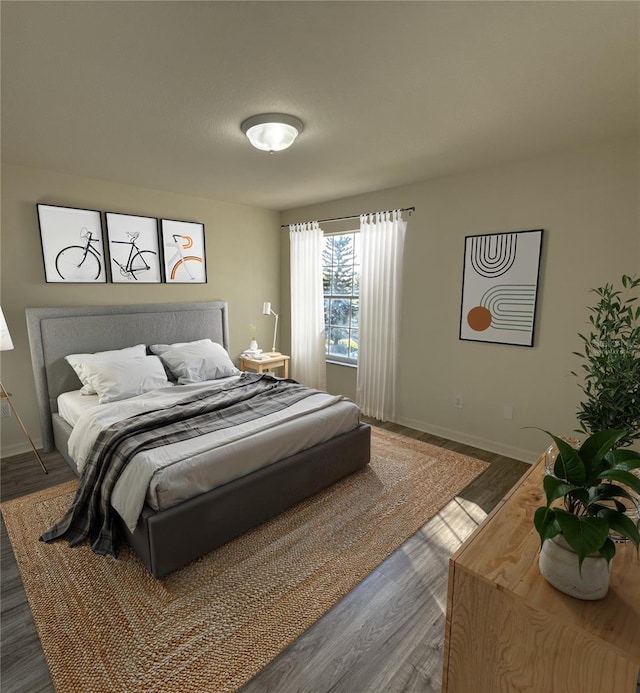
(528, 456)
(19, 448)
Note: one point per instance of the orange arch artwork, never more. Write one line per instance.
(500, 286)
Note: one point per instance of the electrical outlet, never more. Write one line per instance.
(5, 409)
(457, 401)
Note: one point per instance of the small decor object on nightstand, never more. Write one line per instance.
(253, 349)
(267, 310)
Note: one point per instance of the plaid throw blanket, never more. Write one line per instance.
(91, 515)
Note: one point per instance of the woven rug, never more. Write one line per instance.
(106, 625)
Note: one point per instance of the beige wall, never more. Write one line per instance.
(587, 202)
(243, 266)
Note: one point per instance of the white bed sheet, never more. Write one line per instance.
(72, 405)
(169, 475)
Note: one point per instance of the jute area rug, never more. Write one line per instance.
(106, 625)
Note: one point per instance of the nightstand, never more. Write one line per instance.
(268, 364)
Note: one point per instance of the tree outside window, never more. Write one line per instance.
(341, 282)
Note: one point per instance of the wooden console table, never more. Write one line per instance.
(508, 630)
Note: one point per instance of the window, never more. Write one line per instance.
(341, 282)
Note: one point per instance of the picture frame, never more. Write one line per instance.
(134, 248)
(183, 249)
(72, 244)
(500, 281)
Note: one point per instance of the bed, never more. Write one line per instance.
(170, 537)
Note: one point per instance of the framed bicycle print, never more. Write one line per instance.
(500, 287)
(184, 252)
(72, 246)
(134, 250)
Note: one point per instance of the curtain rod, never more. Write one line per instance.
(353, 216)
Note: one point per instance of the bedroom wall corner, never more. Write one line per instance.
(243, 267)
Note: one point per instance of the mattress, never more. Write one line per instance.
(166, 476)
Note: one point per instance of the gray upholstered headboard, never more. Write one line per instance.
(56, 332)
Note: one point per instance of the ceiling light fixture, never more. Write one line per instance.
(272, 132)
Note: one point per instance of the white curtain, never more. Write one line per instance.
(307, 305)
(381, 247)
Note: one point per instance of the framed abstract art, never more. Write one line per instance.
(500, 287)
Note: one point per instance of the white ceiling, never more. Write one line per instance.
(153, 93)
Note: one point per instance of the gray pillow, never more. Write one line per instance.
(193, 362)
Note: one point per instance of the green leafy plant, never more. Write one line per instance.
(611, 367)
(590, 505)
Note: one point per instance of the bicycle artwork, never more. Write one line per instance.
(80, 263)
(184, 253)
(133, 248)
(71, 244)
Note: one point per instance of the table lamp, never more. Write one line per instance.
(266, 310)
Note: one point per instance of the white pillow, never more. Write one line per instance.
(193, 362)
(78, 362)
(116, 380)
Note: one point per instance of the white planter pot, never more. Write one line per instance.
(559, 566)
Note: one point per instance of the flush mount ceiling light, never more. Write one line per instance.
(272, 132)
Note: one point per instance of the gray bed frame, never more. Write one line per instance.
(169, 539)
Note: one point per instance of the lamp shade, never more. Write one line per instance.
(5, 337)
(272, 132)
(266, 308)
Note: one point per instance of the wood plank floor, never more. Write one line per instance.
(386, 635)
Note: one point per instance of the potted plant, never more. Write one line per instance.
(611, 368)
(585, 502)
